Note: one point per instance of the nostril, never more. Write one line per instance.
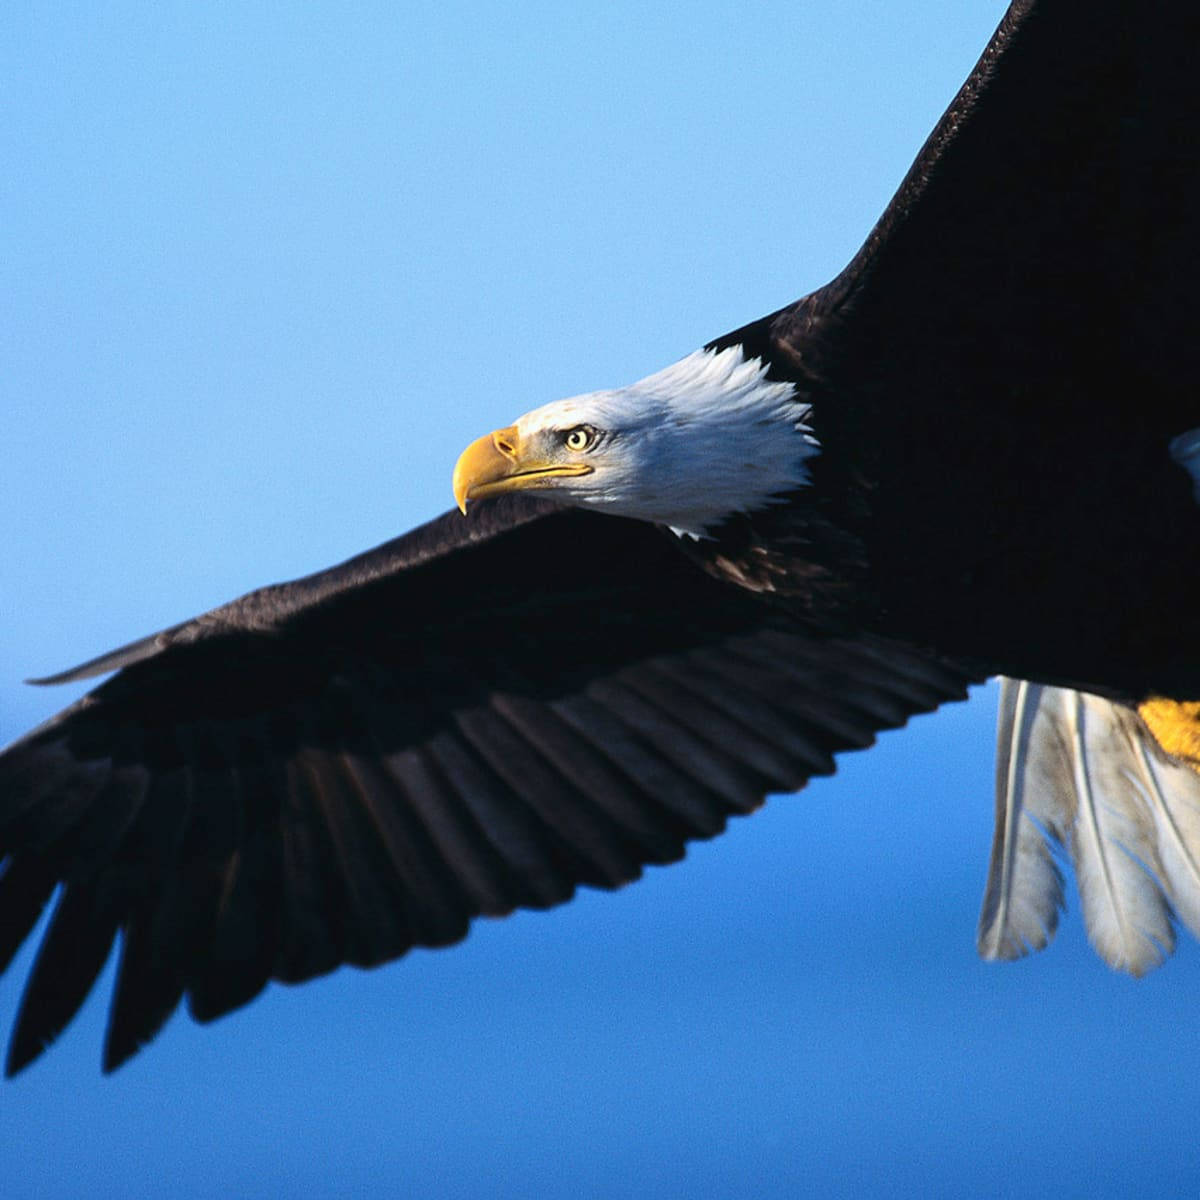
(505, 445)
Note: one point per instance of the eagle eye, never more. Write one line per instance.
(579, 438)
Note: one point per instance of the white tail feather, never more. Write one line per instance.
(1173, 798)
(1025, 887)
(1114, 841)
(1084, 772)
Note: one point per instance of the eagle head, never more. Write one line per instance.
(688, 447)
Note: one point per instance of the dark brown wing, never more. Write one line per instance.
(996, 376)
(476, 717)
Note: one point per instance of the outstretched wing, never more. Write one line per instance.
(996, 377)
(476, 717)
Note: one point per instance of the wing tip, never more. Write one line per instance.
(113, 660)
(23, 1050)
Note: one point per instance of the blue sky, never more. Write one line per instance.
(266, 270)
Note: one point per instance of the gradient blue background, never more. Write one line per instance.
(264, 272)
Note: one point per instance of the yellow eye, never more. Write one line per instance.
(578, 439)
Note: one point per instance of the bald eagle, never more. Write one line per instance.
(974, 452)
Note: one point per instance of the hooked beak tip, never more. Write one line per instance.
(484, 461)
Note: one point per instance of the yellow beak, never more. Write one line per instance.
(498, 462)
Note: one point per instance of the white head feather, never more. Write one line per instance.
(695, 443)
